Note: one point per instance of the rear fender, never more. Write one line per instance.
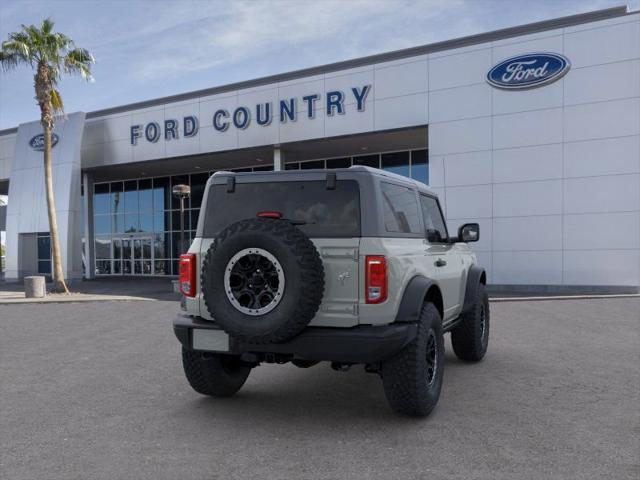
(417, 291)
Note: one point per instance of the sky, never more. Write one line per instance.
(150, 49)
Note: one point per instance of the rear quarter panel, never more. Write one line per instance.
(405, 260)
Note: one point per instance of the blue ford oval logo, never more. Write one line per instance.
(528, 71)
(37, 142)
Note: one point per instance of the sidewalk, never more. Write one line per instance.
(103, 289)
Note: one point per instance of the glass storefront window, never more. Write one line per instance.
(397, 162)
(101, 198)
(339, 162)
(102, 224)
(117, 198)
(117, 223)
(131, 203)
(131, 223)
(144, 209)
(145, 195)
(367, 161)
(103, 247)
(103, 267)
(198, 182)
(176, 251)
(312, 165)
(175, 220)
(161, 194)
(420, 165)
(161, 267)
(146, 222)
(194, 218)
(160, 222)
(161, 245)
(117, 248)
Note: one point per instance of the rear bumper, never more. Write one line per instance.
(361, 344)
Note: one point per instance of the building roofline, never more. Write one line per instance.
(494, 35)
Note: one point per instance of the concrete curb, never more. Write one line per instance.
(74, 299)
(561, 297)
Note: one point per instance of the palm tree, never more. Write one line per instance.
(50, 55)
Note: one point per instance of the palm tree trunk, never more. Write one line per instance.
(59, 284)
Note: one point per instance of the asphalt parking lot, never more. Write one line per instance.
(96, 391)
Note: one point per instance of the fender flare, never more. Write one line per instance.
(475, 277)
(413, 298)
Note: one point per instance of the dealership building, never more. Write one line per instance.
(531, 131)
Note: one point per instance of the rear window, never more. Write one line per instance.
(322, 212)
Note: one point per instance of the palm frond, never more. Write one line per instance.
(79, 61)
(18, 47)
(47, 26)
(9, 61)
(56, 101)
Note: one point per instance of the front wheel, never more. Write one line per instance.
(470, 339)
(412, 379)
(214, 374)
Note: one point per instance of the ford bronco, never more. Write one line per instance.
(350, 266)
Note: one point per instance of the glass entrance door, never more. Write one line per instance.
(142, 261)
(132, 256)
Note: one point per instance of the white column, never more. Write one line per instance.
(89, 261)
(278, 159)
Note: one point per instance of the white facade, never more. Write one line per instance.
(552, 174)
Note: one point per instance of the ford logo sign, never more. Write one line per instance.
(528, 71)
(37, 142)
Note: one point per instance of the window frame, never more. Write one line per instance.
(444, 221)
(411, 189)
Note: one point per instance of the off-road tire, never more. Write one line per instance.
(404, 376)
(470, 339)
(214, 374)
(303, 272)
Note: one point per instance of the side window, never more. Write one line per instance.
(401, 213)
(433, 221)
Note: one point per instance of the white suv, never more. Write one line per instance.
(351, 266)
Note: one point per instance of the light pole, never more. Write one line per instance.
(182, 192)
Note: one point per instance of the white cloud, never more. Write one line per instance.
(194, 37)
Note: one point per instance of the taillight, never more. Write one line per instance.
(188, 275)
(375, 279)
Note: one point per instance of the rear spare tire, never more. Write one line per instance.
(262, 280)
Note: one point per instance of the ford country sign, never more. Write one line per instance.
(37, 142)
(528, 71)
(283, 110)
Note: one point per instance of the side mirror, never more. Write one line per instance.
(469, 232)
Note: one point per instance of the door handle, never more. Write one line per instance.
(440, 263)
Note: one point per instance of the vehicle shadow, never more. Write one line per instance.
(317, 398)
